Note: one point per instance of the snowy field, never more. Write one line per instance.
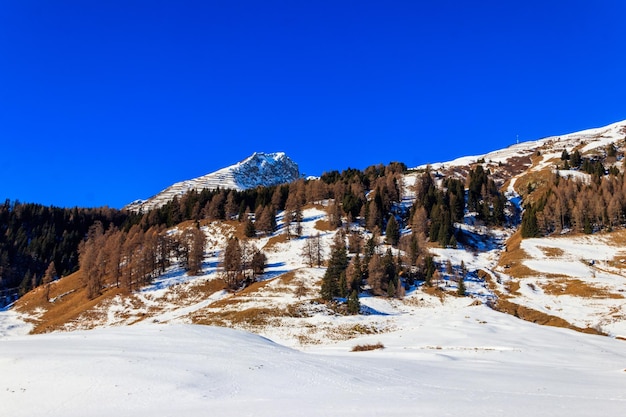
(456, 360)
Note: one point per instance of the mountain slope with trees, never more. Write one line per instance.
(346, 239)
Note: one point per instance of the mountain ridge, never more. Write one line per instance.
(259, 169)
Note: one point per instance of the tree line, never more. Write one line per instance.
(33, 236)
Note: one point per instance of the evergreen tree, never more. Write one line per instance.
(250, 229)
(391, 289)
(337, 265)
(461, 288)
(343, 285)
(530, 228)
(392, 231)
(354, 305)
(575, 159)
(430, 268)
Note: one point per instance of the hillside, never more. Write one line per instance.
(531, 278)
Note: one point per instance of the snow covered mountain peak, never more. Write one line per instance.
(259, 169)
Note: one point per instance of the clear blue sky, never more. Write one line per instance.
(104, 102)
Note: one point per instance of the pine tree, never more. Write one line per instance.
(250, 230)
(530, 228)
(392, 231)
(354, 305)
(343, 285)
(336, 266)
(575, 159)
(461, 288)
(430, 268)
(318, 250)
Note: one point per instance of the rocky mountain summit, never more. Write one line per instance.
(259, 169)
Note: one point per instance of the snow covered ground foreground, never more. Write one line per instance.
(465, 360)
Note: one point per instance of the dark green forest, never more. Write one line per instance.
(32, 236)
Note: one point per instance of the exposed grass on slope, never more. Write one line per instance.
(69, 301)
(578, 288)
(504, 305)
(512, 259)
(275, 240)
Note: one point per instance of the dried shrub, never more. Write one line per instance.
(364, 348)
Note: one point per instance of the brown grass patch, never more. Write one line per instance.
(288, 278)
(250, 317)
(242, 295)
(537, 181)
(512, 259)
(323, 226)
(275, 240)
(365, 348)
(577, 288)
(618, 238)
(436, 291)
(552, 252)
(534, 316)
(513, 287)
(72, 302)
(238, 229)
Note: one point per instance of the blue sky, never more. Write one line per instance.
(102, 103)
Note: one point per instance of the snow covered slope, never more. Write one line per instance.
(588, 141)
(260, 169)
(460, 361)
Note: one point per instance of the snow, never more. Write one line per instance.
(452, 359)
(580, 176)
(593, 139)
(13, 324)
